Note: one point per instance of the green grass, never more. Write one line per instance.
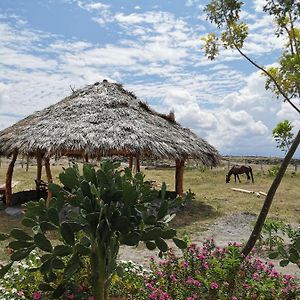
(214, 197)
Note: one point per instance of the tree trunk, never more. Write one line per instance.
(49, 178)
(179, 176)
(9, 173)
(269, 198)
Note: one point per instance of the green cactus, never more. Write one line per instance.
(108, 208)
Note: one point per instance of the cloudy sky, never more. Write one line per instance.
(154, 48)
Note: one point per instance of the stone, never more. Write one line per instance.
(16, 212)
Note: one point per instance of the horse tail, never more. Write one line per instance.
(251, 173)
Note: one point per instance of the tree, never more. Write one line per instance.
(284, 80)
(105, 208)
(283, 135)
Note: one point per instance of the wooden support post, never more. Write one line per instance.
(137, 164)
(86, 158)
(130, 162)
(49, 178)
(179, 176)
(27, 163)
(39, 167)
(8, 188)
(228, 163)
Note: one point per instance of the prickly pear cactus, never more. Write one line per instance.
(107, 208)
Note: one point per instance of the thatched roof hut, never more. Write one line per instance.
(103, 119)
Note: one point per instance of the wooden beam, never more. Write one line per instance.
(49, 178)
(137, 164)
(130, 162)
(9, 174)
(39, 166)
(179, 176)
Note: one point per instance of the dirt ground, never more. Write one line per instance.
(231, 228)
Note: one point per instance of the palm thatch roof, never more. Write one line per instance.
(104, 119)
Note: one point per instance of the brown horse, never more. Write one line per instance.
(235, 170)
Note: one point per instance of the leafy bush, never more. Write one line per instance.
(290, 253)
(206, 272)
(92, 215)
(273, 171)
(218, 273)
(272, 233)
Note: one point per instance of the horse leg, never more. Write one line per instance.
(238, 178)
(248, 176)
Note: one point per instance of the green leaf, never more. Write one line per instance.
(150, 245)
(180, 243)
(62, 250)
(54, 188)
(121, 223)
(3, 236)
(150, 220)
(5, 269)
(82, 250)
(131, 239)
(72, 266)
(152, 234)
(163, 210)
(58, 292)
(130, 195)
(45, 287)
(69, 178)
(17, 245)
(168, 234)
(57, 263)
(21, 254)
(273, 255)
(47, 226)
(42, 242)
(89, 173)
(297, 243)
(163, 191)
(161, 244)
(86, 189)
(28, 222)
(67, 233)
(19, 234)
(46, 266)
(53, 215)
(284, 263)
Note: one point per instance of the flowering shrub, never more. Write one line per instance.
(210, 272)
(206, 272)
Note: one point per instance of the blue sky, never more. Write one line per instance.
(154, 49)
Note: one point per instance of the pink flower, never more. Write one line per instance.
(214, 286)
(255, 276)
(159, 273)
(90, 298)
(71, 296)
(234, 298)
(205, 265)
(201, 256)
(20, 293)
(185, 264)
(36, 295)
(197, 283)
